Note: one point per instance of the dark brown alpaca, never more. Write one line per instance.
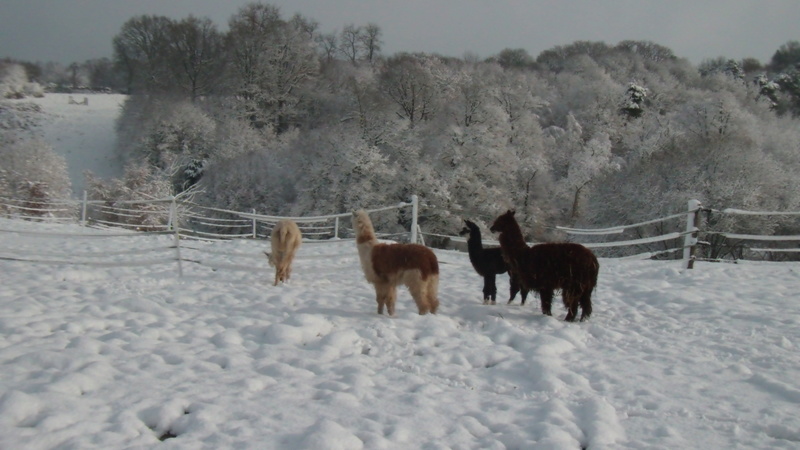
(546, 267)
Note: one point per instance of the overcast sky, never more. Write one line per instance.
(76, 30)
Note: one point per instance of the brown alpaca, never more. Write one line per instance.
(546, 267)
(388, 265)
(285, 240)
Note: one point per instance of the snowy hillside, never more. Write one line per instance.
(119, 357)
(83, 134)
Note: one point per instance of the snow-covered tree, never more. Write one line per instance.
(257, 179)
(328, 46)
(31, 171)
(371, 41)
(180, 142)
(273, 61)
(341, 172)
(767, 90)
(350, 43)
(414, 85)
(303, 132)
(586, 166)
(170, 136)
(789, 83)
(725, 66)
(196, 52)
(140, 182)
(634, 100)
(786, 57)
(365, 106)
(514, 58)
(141, 53)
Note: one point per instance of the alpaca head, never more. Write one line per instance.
(362, 225)
(469, 228)
(270, 259)
(505, 222)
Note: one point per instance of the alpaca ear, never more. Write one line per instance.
(512, 211)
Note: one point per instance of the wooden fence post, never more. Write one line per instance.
(414, 213)
(255, 232)
(690, 240)
(83, 210)
(173, 208)
(173, 225)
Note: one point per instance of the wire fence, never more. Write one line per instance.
(191, 220)
(695, 234)
(177, 224)
(685, 235)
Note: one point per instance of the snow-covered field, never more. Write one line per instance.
(83, 134)
(113, 356)
(120, 357)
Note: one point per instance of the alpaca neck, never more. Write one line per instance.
(511, 240)
(365, 257)
(474, 244)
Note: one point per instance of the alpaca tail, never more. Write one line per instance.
(284, 234)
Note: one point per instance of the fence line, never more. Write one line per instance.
(693, 234)
(759, 213)
(618, 229)
(185, 220)
(156, 254)
(155, 214)
(167, 221)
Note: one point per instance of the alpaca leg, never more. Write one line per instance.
(514, 287)
(489, 290)
(493, 291)
(419, 292)
(586, 304)
(571, 303)
(390, 299)
(381, 295)
(283, 276)
(524, 293)
(547, 302)
(432, 286)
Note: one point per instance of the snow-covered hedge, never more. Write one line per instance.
(14, 83)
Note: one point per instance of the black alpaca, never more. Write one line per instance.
(489, 262)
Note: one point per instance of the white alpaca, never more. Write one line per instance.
(387, 265)
(285, 240)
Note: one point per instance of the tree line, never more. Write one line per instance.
(275, 115)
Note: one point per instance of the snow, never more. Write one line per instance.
(111, 356)
(83, 134)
